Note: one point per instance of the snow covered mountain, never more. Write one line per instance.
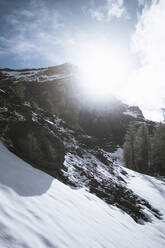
(39, 211)
(94, 201)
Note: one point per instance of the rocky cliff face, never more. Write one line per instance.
(56, 89)
(44, 120)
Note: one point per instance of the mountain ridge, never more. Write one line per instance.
(44, 124)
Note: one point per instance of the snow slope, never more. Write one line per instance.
(39, 211)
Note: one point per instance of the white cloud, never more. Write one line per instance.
(116, 11)
(96, 14)
(116, 8)
(108, 10)
(147, 84)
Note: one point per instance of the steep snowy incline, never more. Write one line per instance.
(39, 211)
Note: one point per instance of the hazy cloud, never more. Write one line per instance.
(97, 14)
(116, 8)
(107, 10)
(33, 32)
(148, 82)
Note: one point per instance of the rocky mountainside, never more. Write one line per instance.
(45, 121)
(57, 90)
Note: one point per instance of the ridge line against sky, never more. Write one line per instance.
(39, 33)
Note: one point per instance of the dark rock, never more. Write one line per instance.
(37, 145)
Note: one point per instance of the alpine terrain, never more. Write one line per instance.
(63, 183)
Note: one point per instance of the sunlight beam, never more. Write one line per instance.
(104, 69)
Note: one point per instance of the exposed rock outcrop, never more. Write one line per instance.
(56, 89)
(37, 145)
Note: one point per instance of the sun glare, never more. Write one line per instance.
(104, 69)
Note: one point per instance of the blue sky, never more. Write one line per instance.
(37, 33)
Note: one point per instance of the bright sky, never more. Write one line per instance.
(120, 43)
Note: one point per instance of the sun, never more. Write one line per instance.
(104, 69)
